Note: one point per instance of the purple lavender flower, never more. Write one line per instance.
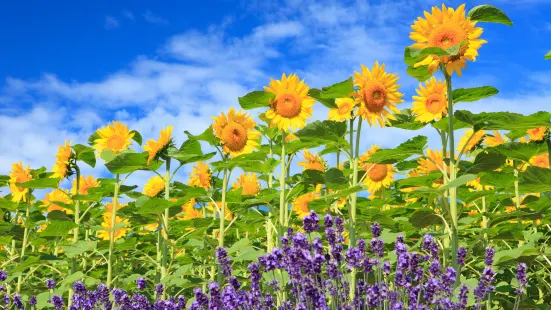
(386, 267)
(159, 289)
(224, 261)
(489, 257)
(50, 283)
(6, 299)
(141, 283)
(377, 246)
(79, 287)
(57, 301)
(376, 230)
(17, 301)
(521, 278)
(32, 301)
(311, 222)
(3, 275)
(461, 254)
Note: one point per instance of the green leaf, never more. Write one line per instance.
(406, 120)
(520, 151)
(503, 120)
(487, 161)
(411, 147)
(335, 176)
(535, 180)
(58, 229)
(459, 181)
(424, 217)
(420, 73)
(93, 137)
(515, 253)
(127, 162)
(497, 179)
(207, 136)
(489, 14)
(443, 124)
(137, 137)
(473, 94)
(189, 152)
(40, 183)
(329, 131)
(151, 205)
(252, 162)
(85, 154)
(316, 94)
(343, 89)
(256, 99)
(79, 248)
(547, 56)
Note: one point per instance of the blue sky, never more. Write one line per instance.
(68, 67)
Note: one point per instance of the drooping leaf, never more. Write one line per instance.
(316, 94)
(461, 180)
(503, 120)
(342, 89)
(128, 162)
(490, 14)
(473, 94)
(252, 162)
(406, 120)
(256, 99)
(40, 183)
(420, 73)
(335, 176)
(151, 205)
(136, 137)
(189, 152)
(413, 146)
(58, 229)
(207, 136)
(85, 154)
(547, 56)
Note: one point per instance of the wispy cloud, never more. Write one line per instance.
(111, 23)
(154, 19)
(128, 14)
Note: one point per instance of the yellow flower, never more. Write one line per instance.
(59, 196)
(432, 102)
(19, 174)
(216, 209)
(447, 28)
(475, 184)
(107, 225)
(343, 111)
(249, 183)
(62, 161)
(200, 176)
(377, 90)
(190, 212)
(541, 160)
(496, 140)
(155, 148)
(154, 186)
(290, 137)
(236, 132)
(85, 184)
(300, 205)
(434, 162)
(291, 106)
(114, 137)
(470, 140)
(536, 134)
(109, 206)
(378, 175)
(312, 162)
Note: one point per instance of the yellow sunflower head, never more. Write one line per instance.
(114, 137)
(343, 111)
(445, 28)
(291, 106)
(84, 185)
(62, 167)
(470, 140)
(236, 132)
(107, 222)
(312, 162)
(495, 139)
(154, 186)
(541, 160)
(200, 176)
(54, 199)
(537, 134)
(433, 162)
(432, 102)
(476, 186)
(158, 149)
(377, 92)
(300, 205)
(249, 183)
(228, 216)
(377, 175)
(190, 212)
(290, 137)
(109, 206)
(19, 174)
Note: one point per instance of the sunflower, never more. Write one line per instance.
(475, 184)
(470, 140)
(109, 206)
(495, 140)
(114, 137)
(291, 106)
(312, 162)
(157, 148)
(290, 137)
(19, 174)
(154, 186)
(53, 200)
(378, 175)
(343, 111)
(433, 162)
(249, 183)
(300, 205)
(445, 29)
(84, 185)
(541, 160)
(107, 222)
(190, 212)
(216, 209)
(537, 134)
(200, 176)
(236, 132)
(432, 102)
(63, 156)
(377, 90)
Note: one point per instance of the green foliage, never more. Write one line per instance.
(490, 14)
(256, 99)
(473, 94)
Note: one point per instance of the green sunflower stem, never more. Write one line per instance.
(76, 230)
(282, 204)
(222, 221)
(452, 191)
(164, 264)
(269, 231)
(25, 239)
(112, 231)
(353, 200)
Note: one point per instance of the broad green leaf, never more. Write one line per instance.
(40, 183)
(7, 204)
(313, 177)
(422, 181)
(316, 94)
(413, 146)
(248, 254)
(515, 253)
(335, 176)
(498, 179)
(252, 162)
(107, 155)
(329, 131)
(207, 136)
(57, 215)
(459, 181)
(473, 94)
(414, 55)
(93, 137)
(490, 14)
(256, 99)
(137, 136)
(517, 215)
(520, 151)
(406, 120)
(58, 229)
(128, 162)
(85, 154)
(151, 205)
(535, 180)
(503, 120)
(420, 73)
(424, 217)
(343, 89)
(79, 248)
(487, 161)
(547, 56)
(443, 124)
(189, 152)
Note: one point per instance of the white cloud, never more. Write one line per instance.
(278, 30)
(154, 19)
(128, 14)
(110, 23)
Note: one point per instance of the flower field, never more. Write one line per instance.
(461, 226)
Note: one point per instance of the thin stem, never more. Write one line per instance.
(112, 231)
(282, 204)
(164, 270)
(222, 220)
(354, 199)
(269, 232)
(25, 238)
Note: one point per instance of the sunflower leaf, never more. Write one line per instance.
(85, 154)
(93, 137)
(520, 151)
(58, 229)
(256, 99)
(127, 162)
(503, 120)
(490, 14)
(487, 161)
(40, 183)
(343, 89)
(189, 152)
(316, 94)
(535, 180)
(424, 217)
(413, 146)
(547, 56)
(207, 136)
(473, 94)
(329, 131)
(136, 137)
(420, 73)
(406, 120)
(458, 182)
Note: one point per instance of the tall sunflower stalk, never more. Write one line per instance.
(112, 231)
(25, 238)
